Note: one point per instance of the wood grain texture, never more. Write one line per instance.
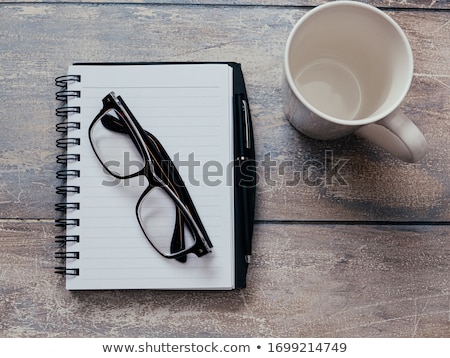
(305, 281)
(378, 187)
(401, 4)
(327, 261)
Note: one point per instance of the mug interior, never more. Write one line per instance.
(349, 61)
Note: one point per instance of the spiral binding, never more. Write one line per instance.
(65, 142)
(64, 94)
(62, 270)
(64, 111)
(65, 189)
(66, 158)
(67, 206)
(62, 239)
(63, 222)
(62, 81)
(67, 255)
(65, 127)
(65, 174)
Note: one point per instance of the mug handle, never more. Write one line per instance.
(397, 134)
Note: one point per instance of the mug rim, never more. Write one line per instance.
(353, 122)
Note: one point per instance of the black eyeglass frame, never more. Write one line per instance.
(160, 172)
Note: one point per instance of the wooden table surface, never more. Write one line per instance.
(367, 255)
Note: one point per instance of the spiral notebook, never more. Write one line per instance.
(199, 113)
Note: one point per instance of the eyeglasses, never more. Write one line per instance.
(165, 211)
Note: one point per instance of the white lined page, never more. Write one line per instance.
(189, 109)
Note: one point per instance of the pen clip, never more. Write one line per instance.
(246, 123)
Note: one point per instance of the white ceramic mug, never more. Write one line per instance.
(348, 66)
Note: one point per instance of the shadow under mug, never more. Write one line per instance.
(348, 66)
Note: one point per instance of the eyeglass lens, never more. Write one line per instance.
(157, 214)
(115, 150)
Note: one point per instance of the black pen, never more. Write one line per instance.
(243, 132)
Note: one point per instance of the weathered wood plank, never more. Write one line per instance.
(305, 281)
(401, 4)
(39, 41)
(359, 280)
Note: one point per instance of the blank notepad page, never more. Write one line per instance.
(189, 109)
